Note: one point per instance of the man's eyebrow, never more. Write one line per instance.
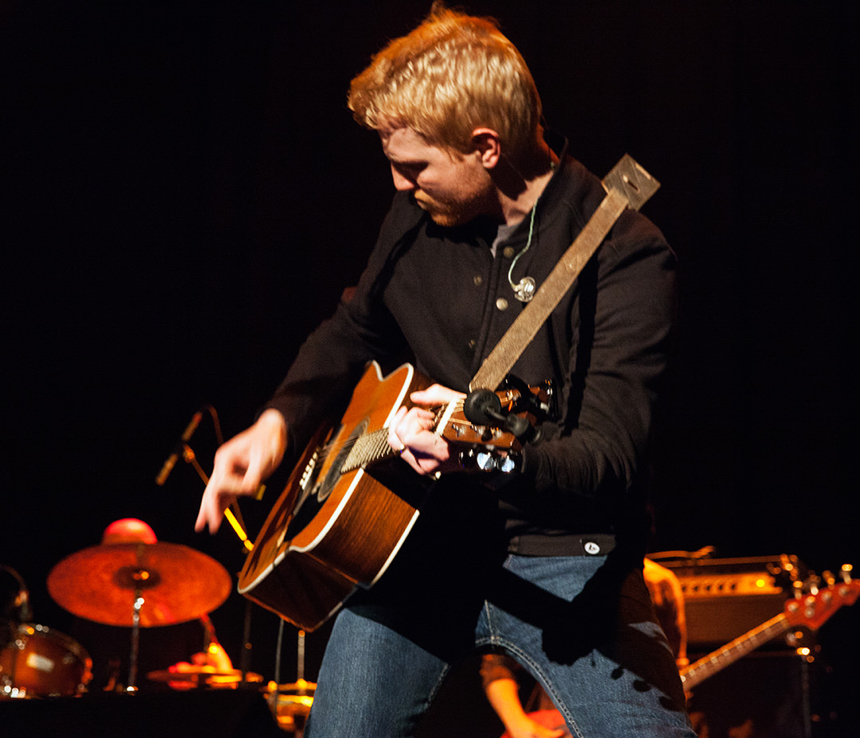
(408, 163)
(404, 159)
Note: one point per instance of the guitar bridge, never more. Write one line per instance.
(307, 474)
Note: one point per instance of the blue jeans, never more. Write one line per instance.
(587, 633)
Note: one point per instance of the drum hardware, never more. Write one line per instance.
(137, 584)
(135, 638)
(17, 608)
(291, 704)
(300, 653)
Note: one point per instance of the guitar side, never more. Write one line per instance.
(331, 532)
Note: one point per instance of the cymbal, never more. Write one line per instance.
(203, 675)
(176, 582)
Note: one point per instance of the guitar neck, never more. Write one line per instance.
(367, 449)
(372, 446)
(709, 665)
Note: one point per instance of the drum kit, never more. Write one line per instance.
(131, 585)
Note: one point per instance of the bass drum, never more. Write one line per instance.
(40, 662)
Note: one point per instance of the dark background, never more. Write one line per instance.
(185, 195)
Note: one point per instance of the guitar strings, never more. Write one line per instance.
(335, 447)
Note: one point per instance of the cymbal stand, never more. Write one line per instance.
(300, 654)
(278, 648)
(300, 657)
(135, 638)
(247, 646)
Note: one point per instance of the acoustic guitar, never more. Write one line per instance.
(350, 501)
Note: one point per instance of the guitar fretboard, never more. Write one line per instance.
(367, 449)
(373, 446)
(705, 667)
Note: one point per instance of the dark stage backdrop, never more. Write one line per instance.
(185, 196)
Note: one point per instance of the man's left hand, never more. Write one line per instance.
(411, 433)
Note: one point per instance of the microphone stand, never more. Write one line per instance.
(234, 517)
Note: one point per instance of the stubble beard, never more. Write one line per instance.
(451, 213)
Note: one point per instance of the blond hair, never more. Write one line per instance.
(450, 75)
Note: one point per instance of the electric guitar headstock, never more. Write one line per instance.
(813, 608)
(810, 608)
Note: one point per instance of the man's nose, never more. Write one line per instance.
(401, 183)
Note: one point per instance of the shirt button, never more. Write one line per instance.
(508, 252)
(502, 303)
(473, 343)
(478, 280)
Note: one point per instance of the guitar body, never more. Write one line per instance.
(332, 531)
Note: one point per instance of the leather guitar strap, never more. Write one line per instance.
(627, 185)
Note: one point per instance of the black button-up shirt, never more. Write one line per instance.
(439, 298)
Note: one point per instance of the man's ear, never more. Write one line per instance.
(488, 146)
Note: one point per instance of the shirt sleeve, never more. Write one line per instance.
(496, 666)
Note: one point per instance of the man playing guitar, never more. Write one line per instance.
(541, 556)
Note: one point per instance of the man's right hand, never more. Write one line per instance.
(241, 466)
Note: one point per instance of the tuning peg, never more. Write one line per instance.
(491, 461)
(786, 564)
(845, 572)
(486, 461)
(797, 589)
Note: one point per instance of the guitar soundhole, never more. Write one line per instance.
(321, 475)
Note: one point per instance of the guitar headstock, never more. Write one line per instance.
(460, 430)
(517, 400)
(813, 609)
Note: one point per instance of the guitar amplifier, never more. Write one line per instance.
(726, 598)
